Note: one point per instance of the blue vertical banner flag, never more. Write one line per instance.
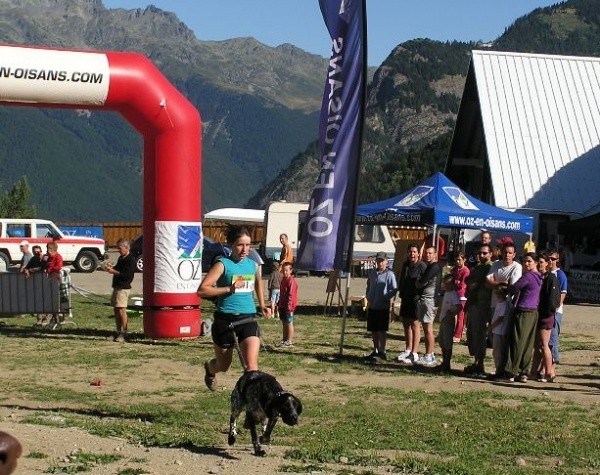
(327, 238)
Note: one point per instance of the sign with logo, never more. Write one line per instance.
(178, 257)
(458, 196)
(415, 196)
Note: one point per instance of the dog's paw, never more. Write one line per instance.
(231, 439)
(265, 439)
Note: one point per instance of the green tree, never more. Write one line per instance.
(14, 203)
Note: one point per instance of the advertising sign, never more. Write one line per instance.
(178, 257)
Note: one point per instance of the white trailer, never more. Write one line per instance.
(284, 217)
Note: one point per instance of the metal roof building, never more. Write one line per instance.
(527, 136)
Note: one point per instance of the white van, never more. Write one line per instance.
(283, 217)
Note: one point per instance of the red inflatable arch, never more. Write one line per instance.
(130, 84)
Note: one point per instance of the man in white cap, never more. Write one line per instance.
(27, 255)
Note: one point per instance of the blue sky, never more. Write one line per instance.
(299, 22)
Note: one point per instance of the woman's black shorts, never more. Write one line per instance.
(222, 335)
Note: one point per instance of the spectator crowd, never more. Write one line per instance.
(511, 305)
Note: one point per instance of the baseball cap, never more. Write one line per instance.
(24, 243)
(381, 255)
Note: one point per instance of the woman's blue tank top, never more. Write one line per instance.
(242, 301)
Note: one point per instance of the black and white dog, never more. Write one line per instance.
(265, 401)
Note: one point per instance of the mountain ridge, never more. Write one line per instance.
(415, 94)
(259, 107)
(234, 90)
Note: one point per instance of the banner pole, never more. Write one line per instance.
(360, 147)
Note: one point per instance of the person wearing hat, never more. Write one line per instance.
(27, 255)
(381, 289)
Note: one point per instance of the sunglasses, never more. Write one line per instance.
(553, 258)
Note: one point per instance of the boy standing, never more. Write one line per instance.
(288, 299)
(274, 285)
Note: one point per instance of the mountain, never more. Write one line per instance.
(258, 105)
(414, 97)
(412, 103)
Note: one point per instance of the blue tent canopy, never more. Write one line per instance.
(439, 202)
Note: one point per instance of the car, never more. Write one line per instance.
(210, 251)
(83, 253)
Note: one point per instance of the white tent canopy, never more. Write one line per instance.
(237, 214)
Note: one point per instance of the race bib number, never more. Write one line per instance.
(247, 283)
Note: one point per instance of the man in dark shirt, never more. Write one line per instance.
(478, 311)
(123, 272)
(36, 263)
(411, 270)
(426, 299)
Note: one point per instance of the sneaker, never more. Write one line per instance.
(209, 379)
(382, 356)
(287, 344)
(455, 340)
(402, 355)
(411, 358)
(523, 378)
(119, 337)
(281, 343)
(428, 360)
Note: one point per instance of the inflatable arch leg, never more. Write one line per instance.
(131, 85)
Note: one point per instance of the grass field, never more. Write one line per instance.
(358, 419)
